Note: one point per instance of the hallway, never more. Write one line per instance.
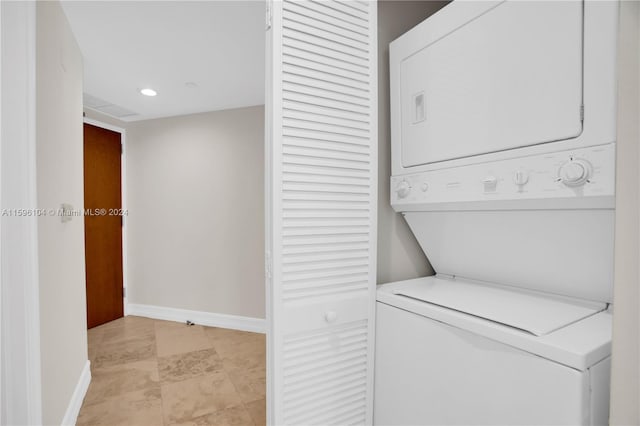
(151, 372)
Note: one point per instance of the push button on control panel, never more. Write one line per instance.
(490, 183)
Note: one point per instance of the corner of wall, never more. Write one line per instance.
(59, 159)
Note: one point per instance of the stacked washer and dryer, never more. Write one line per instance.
(503, 161)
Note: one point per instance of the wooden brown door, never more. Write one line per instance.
(103, 224)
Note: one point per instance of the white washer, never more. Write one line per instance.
(436, 365)
(503, 159)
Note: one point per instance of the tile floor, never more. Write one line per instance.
(147, 372)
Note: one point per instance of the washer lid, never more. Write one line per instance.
(528, 311)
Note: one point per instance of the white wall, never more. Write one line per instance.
(625, 383)
(399, 255)
(195, 196)
(59, 180)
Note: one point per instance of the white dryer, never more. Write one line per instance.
(503, 159)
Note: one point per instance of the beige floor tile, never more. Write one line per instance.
(233, 416)
(176, 338)
(128, 331)
(109, 382)
(244, 361)
(94, 336)
(94, 340)
(221, 335)
(185, 366)
(198, 397)
(149, 372)
(135, 408)
(124, 351)
(238, 344)
(93, 352)
(110, 324)
(233, 341)
(125, 324)
(258, 411)
(251, 347)
(251, 384)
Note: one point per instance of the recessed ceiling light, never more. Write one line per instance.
(148, 92)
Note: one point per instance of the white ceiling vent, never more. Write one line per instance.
(105, 107)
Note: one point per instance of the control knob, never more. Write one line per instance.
(575, 172)
(520, 178)
(403, 189)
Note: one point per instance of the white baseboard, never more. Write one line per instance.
(73, 409)
(209, 319)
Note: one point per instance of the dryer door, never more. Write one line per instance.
(486, 77)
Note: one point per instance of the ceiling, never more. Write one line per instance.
(199, 56)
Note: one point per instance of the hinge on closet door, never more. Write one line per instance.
(124, 292)
(582, 113)
(269, 14)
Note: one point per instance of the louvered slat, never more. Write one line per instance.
(298, 135)
(346, 12)
(316, 277)
(320, 361)
(300, 113)
(290, 242)
(322, 126)
(302, 215)
(292, 168)
(351, 42)
(326, 111)
(341, 288)
(319, 178)
(299, 384)
(332, 13)
(341, 108)
(326, 151)
(325, 82)
(324, 200)
(334, 21)
(326, 48)
(291, 251)
(323, 91)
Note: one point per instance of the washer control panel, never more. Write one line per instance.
(579, 173)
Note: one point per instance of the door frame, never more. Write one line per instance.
(123, 197)
(19, 282)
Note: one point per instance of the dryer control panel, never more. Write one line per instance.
(579, 178)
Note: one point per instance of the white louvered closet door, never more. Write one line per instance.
(321, 211)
